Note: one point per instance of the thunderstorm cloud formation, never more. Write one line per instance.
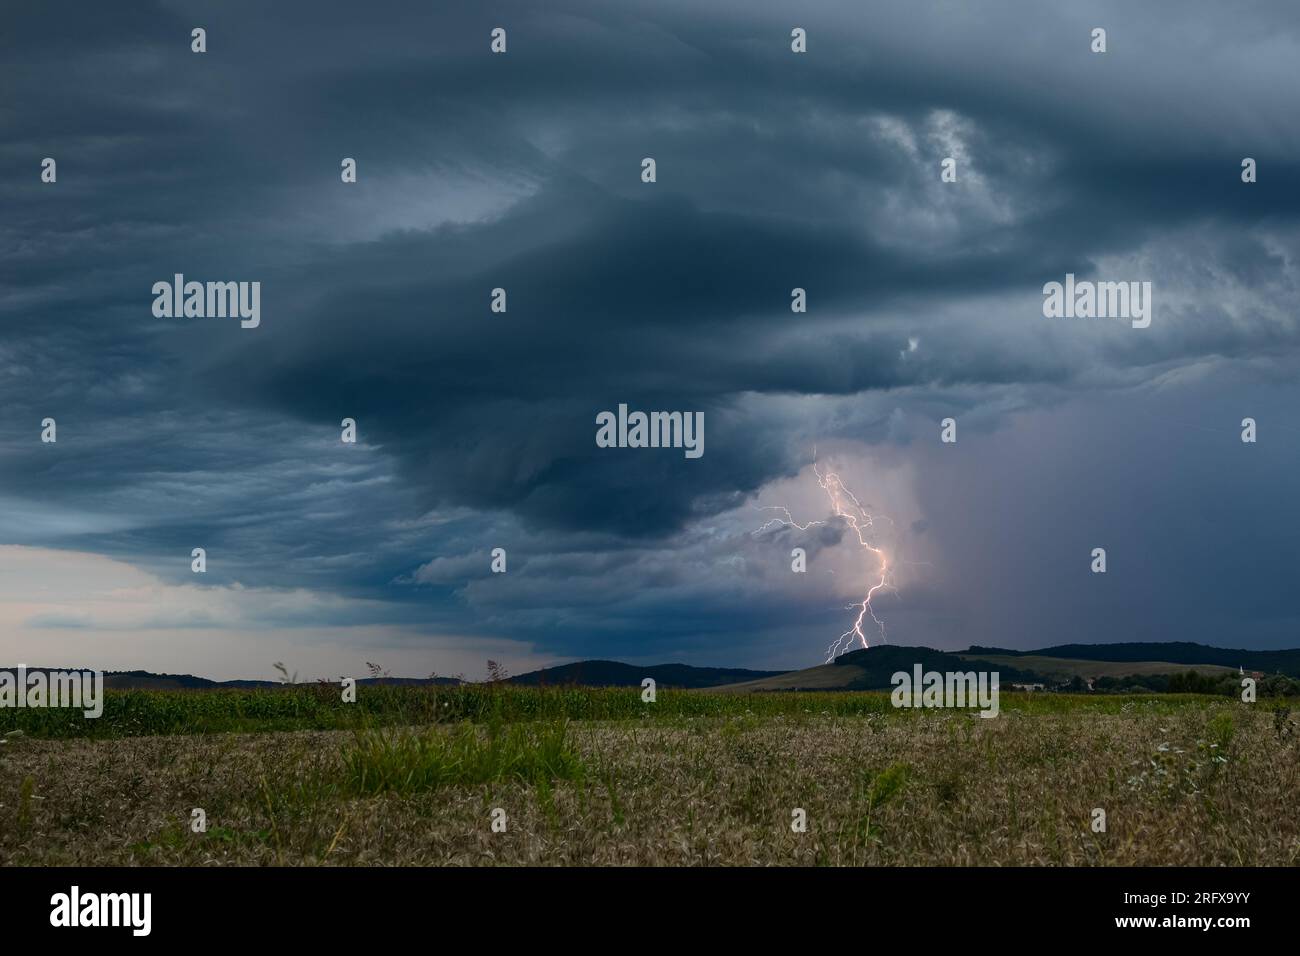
(476, 429)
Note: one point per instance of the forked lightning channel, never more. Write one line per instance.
(845, 505)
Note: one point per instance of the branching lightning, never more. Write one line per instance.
(846, 507)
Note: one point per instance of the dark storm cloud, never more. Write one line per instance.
(522, 171)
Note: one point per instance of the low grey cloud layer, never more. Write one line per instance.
(775, 171)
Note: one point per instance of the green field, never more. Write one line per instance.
(133, 713)
(406, 775)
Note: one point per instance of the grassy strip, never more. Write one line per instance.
(405, 761)
(135, 713)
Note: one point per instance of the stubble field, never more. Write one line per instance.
(1182, 781)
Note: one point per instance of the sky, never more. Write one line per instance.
(476, 430)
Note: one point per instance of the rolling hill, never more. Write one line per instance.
(1063, 668)
(617, 674)
(872, 669)
(1175, 652)
(856, 670)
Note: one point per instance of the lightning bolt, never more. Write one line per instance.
(846, 507)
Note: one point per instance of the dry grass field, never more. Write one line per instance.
(1205, 783)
